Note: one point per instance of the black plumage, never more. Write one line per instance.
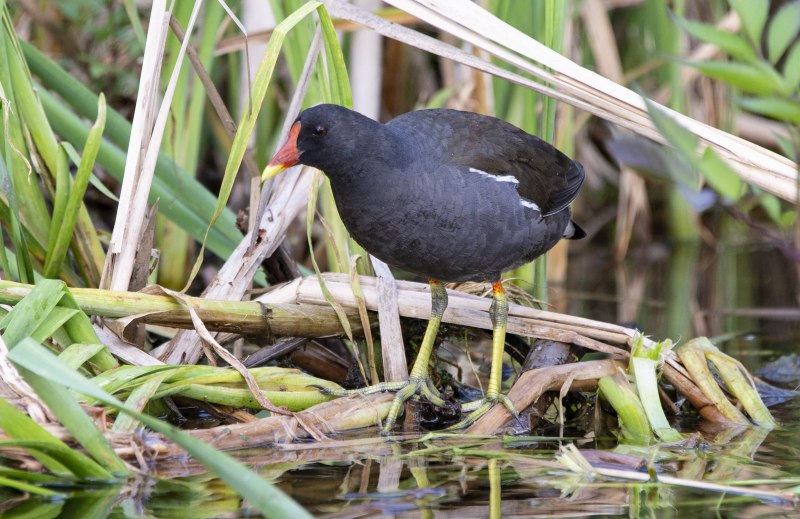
(450, 195)
(446, 194)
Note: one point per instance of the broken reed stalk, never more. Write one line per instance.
(464, 309)
(685, 386)
(298, 309)
(580, 376)
(335, 416)
(243, 317)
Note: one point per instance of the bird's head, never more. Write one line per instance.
(320, 137)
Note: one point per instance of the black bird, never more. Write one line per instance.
(450, 195)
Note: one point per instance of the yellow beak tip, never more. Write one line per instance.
(271, 170)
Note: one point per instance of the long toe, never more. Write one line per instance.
(414, 387)
(474, 410)
(369, 390)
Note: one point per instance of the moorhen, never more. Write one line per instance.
(450, 195)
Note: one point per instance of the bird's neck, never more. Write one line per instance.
(373, 158)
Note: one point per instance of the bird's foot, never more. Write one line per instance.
(478, 408)
(414, 387)
(369, 390)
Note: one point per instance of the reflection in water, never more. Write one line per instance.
(474, 477)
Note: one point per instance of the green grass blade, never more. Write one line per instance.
(755, 79)
(28, 488)
(75, 157)
(23, 265)
(80, 330)
(337, 69)
(59, 200)
(72, 416)
(753, 14)
(136, 23)
(54, 454)
(39, 478)
(137, 400)
(186, 204)
(31, 312)
(778, 108)
(721, 176)
(55, 320)
(64, 223)
(33, 214)
(296, 43)
(728, 42)
(35, 315)
(36, 509)
(87, 247)
(8, 271)
(29, 108)
(75, 355)
(791, 68)
(262, 496)
(39, 314)
(190, 205)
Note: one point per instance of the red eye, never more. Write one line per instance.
(320, 131)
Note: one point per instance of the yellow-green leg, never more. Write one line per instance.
(498, 312)
(419, 382)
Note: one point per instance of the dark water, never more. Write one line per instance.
(745, 295)
(459, 477)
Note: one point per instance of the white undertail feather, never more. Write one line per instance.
(569, 231)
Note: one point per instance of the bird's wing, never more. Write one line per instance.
(484, 144)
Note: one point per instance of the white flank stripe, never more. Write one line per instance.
(499, 178)
(532, 205)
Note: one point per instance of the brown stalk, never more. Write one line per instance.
(337, 415)
(686, 387)
(242, 317)
(534, 383)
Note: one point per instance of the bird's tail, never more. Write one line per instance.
(573, 231)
